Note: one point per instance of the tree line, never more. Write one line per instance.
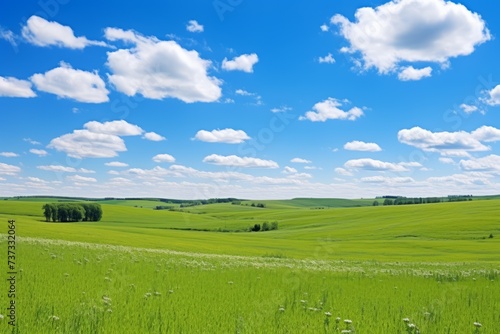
(72, 212)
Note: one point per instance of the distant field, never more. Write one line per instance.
(428, 232)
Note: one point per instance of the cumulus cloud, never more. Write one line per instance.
(78, 178)
(387, 180)
(342, 171)
(9, 154)
(300, 161)
(153, 136)
(330, 109)
(159, 69)
(374, 165)
(6, 169)
(468, 109)
(362, 146)
(41, 32)
(64, 169)
(116, 164)
(12, 87)
(243, 63)
(88, 144)
(236, 161)
(328, 59)
(490, 163)
(228, 136)
(40, 153)
(486, 134)
(281, 109)
(163, 158)
(324, 28)
(494, 96)
(410, 73)
(289, 170)
(244, 92)
(194, 26)
(456, 144)
(411, 31)
(116, 128)
(66, 82)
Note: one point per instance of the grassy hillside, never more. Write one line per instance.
(430, 232)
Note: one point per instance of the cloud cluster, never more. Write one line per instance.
(41, 32)
(410, 31)
(452, 144)
(159, 69)
(228, 136)
(330, 109)
(12, 87)
(236, 161)
(243, 63)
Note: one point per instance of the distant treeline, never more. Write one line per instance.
(400, 200)
(72, 212)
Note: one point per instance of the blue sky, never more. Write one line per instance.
(249, 99)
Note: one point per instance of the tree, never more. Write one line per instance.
(388, 202)
(375, 203)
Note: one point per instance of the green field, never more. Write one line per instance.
(200, 270)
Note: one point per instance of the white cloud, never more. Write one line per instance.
(411, 31)
(468, 109)
(281, 109)
(490, 163)
(8, 36)
(229, 136)
(40, 153)
(449, 161)
(116, 164)
(494, 96)
(244, 92)
(41, 32)
(300, 161)
(235, 161)
(78, 178)
(116, 128)
(328, 59)
(486, 134)
(64, 169)
(87, 144)
(31, 141)
(410, 73)
(9, 154)
(324, 28)
(12, 87)
(194, 26)
(243, 63)
(362, 146)
(163, 158)
(289, 170)
(454, 144)
(329, 109)
(160, 69)
(6, 169)
(312, 168)
(342, 171)
(387, 180)
(153, 136)
(66, 82)
(374, 165)
(460, 179)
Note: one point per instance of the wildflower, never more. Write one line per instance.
(303, 301)
(147, 294)
(170, 291)
(1, 316)
(477, 324)
(281, 309)
(337, 319)
(345, 331)
(328, 314)
(157, 293)
(406, 320)
(411, 326)
(54, 318)
(347, 321)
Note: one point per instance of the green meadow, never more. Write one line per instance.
(332, 266)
